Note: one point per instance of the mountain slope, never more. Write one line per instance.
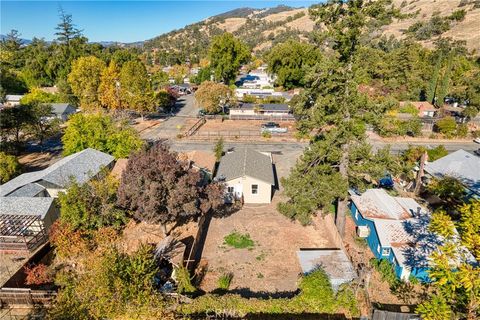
(467, 30)
(259, 28)
(263, 28)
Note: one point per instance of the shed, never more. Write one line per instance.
(389, 315)
(334, 262)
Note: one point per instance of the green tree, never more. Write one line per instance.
(447, 126)
(9, 167)
(469, 225)
(449, 189)
(204, 74)
(135, 88)
(290, 60)
(66, 30)
(109, 88)
(455, 280)
(226, 55)
(85, 81)
(37, 95)
(212, 96)
(100, 132)
(13, 122)
(437, 153)
(91, 205)
(42, 125)
(218, 149)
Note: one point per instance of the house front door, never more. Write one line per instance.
(238, 191)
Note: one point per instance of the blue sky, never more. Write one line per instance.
(125, 21)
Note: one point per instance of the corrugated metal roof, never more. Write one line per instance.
(377, 203)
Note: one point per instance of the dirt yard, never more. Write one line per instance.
(240, 129)
(271, 265)
(38, 160)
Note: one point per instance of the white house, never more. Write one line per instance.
(248, 175)
(12, 100)
(62, 110)
(265, 109)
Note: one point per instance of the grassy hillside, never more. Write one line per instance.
(423, 10)
(425, 21)
(260, 29)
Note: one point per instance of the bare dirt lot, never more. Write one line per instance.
(271, 265)
(240, 129)
(38, 160)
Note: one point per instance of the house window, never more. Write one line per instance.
(230, 189)
(356, 214)
(385, 251)
(254, 188)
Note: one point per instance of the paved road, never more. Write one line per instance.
(279, 147)
(398, 147)
(184, 108)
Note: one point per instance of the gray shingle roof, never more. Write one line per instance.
(62, 108)
(246, 162)
(459, 164)
(29, 206)
(81, 166)
(28, 190)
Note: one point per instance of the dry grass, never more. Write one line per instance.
(232, 24)
(468, 29)
(272, 264)
(282, 15)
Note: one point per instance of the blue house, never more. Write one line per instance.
(396, 229)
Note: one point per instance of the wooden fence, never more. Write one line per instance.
(195, 127)
(26, 297)
(195, 251)
(263, 117)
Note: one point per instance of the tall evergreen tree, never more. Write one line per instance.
(66, 30)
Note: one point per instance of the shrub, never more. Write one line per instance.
(437, 153)
(9, 167)
(266, 134)
(225, 280)
(386, 271)
(447, 126)
(462, 130)
(184, 284)
(238, 240)
(38, 274)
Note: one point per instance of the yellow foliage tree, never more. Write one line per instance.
(109, 89)
(85, 80)
(211, 96)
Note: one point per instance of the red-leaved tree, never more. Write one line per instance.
(159, 188)
(38, 274)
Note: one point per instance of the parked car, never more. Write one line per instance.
(477, 140)
(477, 152)
(270, 125)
